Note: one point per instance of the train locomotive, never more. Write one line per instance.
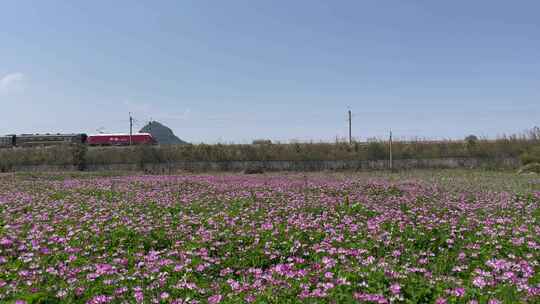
(121, 139)
(43, 140)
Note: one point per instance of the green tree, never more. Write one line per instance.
(376, 151)
(78, 153)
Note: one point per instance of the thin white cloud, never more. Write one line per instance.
(186, 115)
(12, 82)
(137, 107)
(144, 111)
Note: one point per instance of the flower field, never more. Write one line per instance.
(266, 239)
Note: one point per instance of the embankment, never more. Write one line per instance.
(284, 165)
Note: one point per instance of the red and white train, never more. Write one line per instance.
(120, 139)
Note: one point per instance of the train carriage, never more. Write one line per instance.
(7, 141)
(32, 140)
(42, 140)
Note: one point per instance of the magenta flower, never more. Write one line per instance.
(139, 297)
(395, 288)
(479, 282)
(267, 226)
(440, 301)
(458, 292)
(6, 242)
(164, 295)
(215, 299)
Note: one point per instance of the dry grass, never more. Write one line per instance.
(500, 148)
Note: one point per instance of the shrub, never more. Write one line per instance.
(376, 151)
(146, 155)
(254, 170)
(531, 156)
(79, 156)
(530, 168)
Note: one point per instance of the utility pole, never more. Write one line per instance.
(130, 128)
(350, 129)
(391, 167)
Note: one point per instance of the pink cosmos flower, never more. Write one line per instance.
(479, 282)
(100, 299)
(375, 298)
(164, 295)
(267, 226)
(440, 301)
(178, 268)
(458, 292)
(139, 297)
(395, 288)
(6, 242)
(215, 299)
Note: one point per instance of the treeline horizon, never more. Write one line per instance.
(525, 146)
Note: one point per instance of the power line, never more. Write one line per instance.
(391, 150)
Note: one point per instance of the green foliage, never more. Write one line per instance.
(146, 155)
(79, 156)
(103, 194)
(532, 155)
(527, 147)
(376, 151)
(471, 139)
(157, 240)
(55, 155)
(59, 195)
(40, 298)
(125, 238)
(530, 168)
(417, 290)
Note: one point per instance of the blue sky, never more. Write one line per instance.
(232, 71)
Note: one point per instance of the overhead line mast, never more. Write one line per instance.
(350, 127)
(130, 129)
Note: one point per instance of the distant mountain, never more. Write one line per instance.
(162, 134)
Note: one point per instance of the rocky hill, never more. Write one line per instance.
(162, 134)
